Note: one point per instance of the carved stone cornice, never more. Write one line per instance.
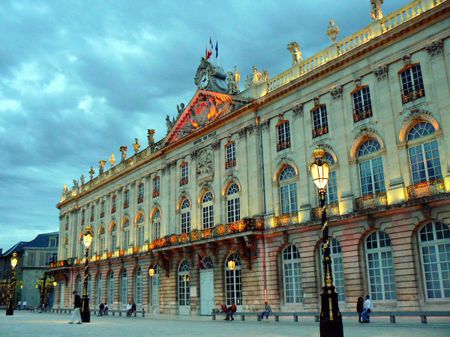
(242, 132)
(298, 110)
(215, 145)
(194, 154)
(381, 72)
(336, 92)
(252, 128)
(435, 47)
(265, 125)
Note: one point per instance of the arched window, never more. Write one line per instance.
(233, 281)
(208, 210)
(138, 286)
(233, 203)
(156, 225)
(185, 216)
(99, 289)
(140, 230)
(124, 287)
(126, 234)
(380, 266)
(370, 168)
(424, 157)
(288, 190)
(292, 279)
(184, 297)
(434, 241)
(110, 288)
(154, 283)
(337, 267)
(206, 263)
(113, 237)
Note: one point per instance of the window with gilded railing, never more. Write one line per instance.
(412, 83)
(230, 154)
(362, 105)
(184, 173)
(207, 210)
(140, 197)
(113, 203)
(283, 135)
(371, 168)
(126, 199)
(320, 121)
(185, 216)
(156, 186)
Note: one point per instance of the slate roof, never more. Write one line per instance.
(40, 241)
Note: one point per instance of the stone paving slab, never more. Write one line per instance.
(32, 324)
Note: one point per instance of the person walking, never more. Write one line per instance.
(367, 309)
(360, 308)
(76, 308)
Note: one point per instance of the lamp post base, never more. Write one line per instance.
(85, 312)
(330, 317)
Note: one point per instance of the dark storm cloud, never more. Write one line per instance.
(80, 78)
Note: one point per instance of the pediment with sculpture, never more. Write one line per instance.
(204, 108)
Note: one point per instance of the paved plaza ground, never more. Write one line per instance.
(32, 324)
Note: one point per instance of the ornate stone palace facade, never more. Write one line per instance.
(230, 182)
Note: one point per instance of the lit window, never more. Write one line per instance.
(185, 216)
(233, 203)
(320, 121)
(230, 154)
(412, 83)
(371, 170)
(208, 210)
(283, 135)
(288, 190)
(233, 281)
(362, 105)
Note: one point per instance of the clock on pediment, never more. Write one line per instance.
(210, 77)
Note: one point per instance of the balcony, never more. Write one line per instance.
(409, 96)
(230, 163)
(371, 200)
(360, 114)
(331, 209)
(183, 181)
(155, 193)
(283, 145)
(425, 189)
(286, 219)
(317, 132)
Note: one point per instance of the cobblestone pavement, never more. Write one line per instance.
(31, 324)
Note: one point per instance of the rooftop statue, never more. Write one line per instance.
(82, 179)
(294, 49)
(180, 109)
(332, 31)
(112, 160)
(233, 81)
(376, 13)
(256, 77)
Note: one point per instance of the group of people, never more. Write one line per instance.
(103, 309)
(229, 311)
(364, 307)
(131, 308)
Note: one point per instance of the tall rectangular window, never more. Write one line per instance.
(156, 186)
(362, 105)
(372, 176)
(126, 199)
(140, 197)
(283, 135)
(332, 196)
(102, 209)
(320, 121)
(230, 155)
(113, 203)
(184, 174)
(412, 83)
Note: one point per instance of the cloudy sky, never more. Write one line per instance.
(78, 79)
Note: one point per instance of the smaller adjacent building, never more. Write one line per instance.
(34, 260)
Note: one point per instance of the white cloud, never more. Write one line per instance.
(57, 84)
(10, 105)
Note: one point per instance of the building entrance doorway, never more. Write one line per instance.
(206, 286)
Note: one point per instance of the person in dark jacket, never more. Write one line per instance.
(76, 308)
(360, 308)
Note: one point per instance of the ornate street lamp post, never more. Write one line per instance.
(12, 285)
(85, 313)
(330, 316)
